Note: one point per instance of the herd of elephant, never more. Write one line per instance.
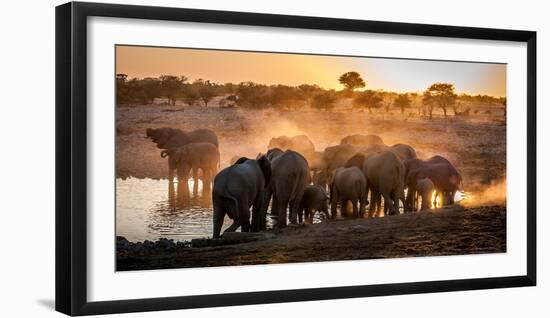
(293, 177)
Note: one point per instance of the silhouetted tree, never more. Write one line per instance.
(402, 101)
(171, 87)
(351, 81)
(442, 95)
(252, 95)
(368, 99)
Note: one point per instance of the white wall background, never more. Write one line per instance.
(27, 158)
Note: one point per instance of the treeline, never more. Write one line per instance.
(257, 96)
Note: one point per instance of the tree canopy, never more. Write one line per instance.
(351, 81)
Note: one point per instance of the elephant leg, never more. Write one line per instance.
(233, 227)
(244, 216)
(409, 205)
(170, 174)
(372, 205)
(219, 215)
(258, 215)
(395, 197)
(389, 209)
(334, 204)
(362, 205)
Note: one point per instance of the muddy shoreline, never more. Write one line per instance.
(452, 230)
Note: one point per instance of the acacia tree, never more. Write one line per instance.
(351, 81)
(368, 99)
(402, 101)
(171, 87)
(442, 95)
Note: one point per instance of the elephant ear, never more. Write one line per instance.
(356, 161)
(265, 166)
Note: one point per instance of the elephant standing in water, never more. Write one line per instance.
(348, 184)
(167, 138)
(290, 176)
(236, 189)
(385, 175)
(193, 156)
(314, 200)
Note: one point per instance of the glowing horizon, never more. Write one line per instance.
(388, 74)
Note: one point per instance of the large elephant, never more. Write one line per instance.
(445, 177)
(167, 138)
(424, 188)
(385, 178)
(314, 200)
(348, 184)
(290, 176)
(362, 140)
(446, 184)
(193, 156)
(236, 189)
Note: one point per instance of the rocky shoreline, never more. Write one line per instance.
(453, 230)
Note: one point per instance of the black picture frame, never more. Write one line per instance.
(71, 157)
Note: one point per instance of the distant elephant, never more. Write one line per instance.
(446, 179)
(450, 178)
(236, 189)
(301, 144)
(167, 138)
(385, 178)
(289, 178)
(362, 140)
(193, 156)
(425, 188)
(348, 184)
(314, 200)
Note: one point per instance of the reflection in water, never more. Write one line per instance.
(152, 209)
(147, 211)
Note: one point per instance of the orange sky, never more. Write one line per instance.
(294, 69)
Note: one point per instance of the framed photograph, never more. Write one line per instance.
(209, 158)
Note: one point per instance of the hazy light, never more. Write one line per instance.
(295, 69)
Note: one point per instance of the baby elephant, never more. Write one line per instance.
(425, 188)
(314, 200)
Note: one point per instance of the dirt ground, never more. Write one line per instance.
(447, 231)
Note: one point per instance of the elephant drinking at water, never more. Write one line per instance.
(290, 176)
(236, 189)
